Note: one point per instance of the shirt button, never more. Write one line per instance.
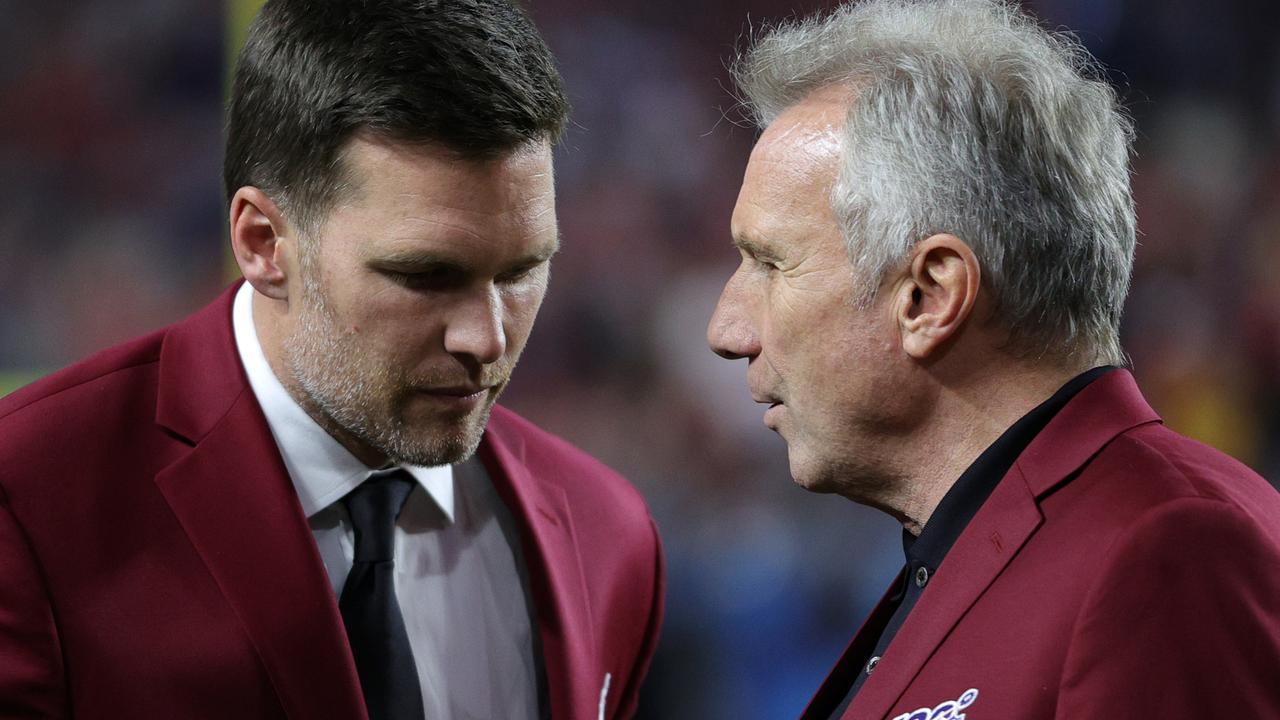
(922, 576)
(871, 664)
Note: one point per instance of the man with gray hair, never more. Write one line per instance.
(937, 232)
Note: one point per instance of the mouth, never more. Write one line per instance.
(771, 413)
(457, 390)
(456, 397)
(765, 399)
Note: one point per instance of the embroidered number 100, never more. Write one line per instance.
(947, 710)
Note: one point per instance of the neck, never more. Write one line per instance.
(968, 414)
(269, 320)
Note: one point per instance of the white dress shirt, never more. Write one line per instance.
(459, 575)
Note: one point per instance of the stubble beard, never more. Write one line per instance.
(348, 394)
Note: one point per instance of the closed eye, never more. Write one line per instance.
(758, 254)
(517, 274)
(434, 277)
(758, 265)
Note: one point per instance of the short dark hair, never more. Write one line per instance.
(473, 76)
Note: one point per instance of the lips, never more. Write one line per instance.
(769, 400)
(456, 398)
(764, 398)
(771, 415)
(457, 390)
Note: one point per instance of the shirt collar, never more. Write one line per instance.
(322, 470)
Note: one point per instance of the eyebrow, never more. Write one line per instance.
(753, 248)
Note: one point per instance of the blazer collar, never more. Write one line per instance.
(556, 577)
(233, 496)
(200, 373)
(1109, 406)
(1104, 409)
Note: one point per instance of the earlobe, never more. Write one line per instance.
(938, 295)
(259, 240)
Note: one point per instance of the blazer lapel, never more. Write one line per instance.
(993, 537)
(556, 578)
(233, 496)
(1109, 406)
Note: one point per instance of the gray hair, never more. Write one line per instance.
(969, 118)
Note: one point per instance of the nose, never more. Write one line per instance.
(731, 332)
(475, 328)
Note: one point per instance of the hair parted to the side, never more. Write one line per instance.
(969, 118)
(472, 76)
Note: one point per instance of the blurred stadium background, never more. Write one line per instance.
(112, 223)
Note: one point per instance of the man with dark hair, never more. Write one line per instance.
(936, 232)
(302, 501)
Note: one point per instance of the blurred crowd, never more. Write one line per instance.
(112, 223)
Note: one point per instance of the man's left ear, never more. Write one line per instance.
(937, 294)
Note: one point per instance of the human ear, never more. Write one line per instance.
(260, 241)
(938, 294)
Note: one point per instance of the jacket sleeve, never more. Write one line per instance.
(31, 671)
(629, 700)
(1184, 621)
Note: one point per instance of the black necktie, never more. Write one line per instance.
(375, 627)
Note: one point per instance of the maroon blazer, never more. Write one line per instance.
(155, 561)
(1119, 570)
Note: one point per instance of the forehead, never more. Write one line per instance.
(808, 132)
(400, 192)
(794, 165)
(382, 170)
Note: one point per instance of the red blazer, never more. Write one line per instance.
(155, 561)
(1119, 570)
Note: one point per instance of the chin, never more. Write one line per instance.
(422, 438)
(827, 474)
(806, 485)
(431, 448)
(821, 486)
(810, 477)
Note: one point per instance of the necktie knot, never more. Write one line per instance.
(374, 507)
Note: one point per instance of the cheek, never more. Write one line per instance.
(802, 336)
(520, 309)
(393, 325)
(361, 305)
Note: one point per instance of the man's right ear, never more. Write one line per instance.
(260, 241)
